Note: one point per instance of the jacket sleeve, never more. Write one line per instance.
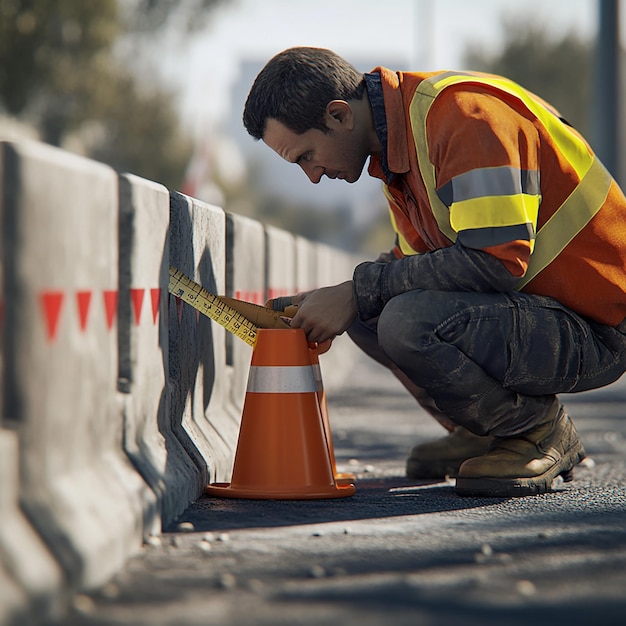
(455, 268)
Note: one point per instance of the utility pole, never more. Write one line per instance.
(606, 109)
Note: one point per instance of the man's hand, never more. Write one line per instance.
(325, 313)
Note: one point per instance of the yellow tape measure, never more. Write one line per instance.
(212, 306)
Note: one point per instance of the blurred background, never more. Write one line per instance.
(157, 87)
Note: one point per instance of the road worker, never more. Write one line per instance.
(506, 285)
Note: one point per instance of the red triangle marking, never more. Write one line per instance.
(197, 316)
(136, 295)
(83, 300)
(51, 302)
(155, 295)
(179, 310)
(110, 306)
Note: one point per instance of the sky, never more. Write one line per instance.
(421, 34)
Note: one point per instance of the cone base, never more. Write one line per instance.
(344, 478)
(225, 490)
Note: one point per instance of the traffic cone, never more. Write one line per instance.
(282, 451)
(341, 478)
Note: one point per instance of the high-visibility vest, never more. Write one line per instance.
(575, 212)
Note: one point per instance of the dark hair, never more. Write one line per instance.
(295, 86)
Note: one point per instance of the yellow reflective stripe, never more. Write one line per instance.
(494, 211)
(574, 148)
(417, 112)
(403, 244)
(573, 215)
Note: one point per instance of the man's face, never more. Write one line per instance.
(340, 153)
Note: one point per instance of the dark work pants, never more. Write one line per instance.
(492, 363)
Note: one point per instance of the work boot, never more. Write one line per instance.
(442, 457)
(526, 464)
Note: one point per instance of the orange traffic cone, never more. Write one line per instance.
(341, 478)
(282, 451)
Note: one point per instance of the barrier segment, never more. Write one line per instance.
(35, 576)
(306, 265)
(282, 451)
(60, 239)
(280, 263)
(197, 346)
(333, 267)
(245, 280)
(149, 439)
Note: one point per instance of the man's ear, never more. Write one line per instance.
(339, 114)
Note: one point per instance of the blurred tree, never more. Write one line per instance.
(138, 131)
(558, 70)
(53, 60)
(153, 15)
(61, 71)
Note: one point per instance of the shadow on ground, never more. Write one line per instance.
(374, 499)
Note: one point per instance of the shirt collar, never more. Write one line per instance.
(373, 84)
(395, 156)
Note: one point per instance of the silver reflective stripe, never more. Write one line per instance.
(279, 379)
(494, 181)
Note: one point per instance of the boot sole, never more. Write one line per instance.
(519, 487)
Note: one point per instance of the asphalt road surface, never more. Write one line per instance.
(398, 551)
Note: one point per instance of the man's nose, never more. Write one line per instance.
(314, 172)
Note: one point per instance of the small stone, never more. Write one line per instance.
(485, 555)
(223, 537)
(317, 571)
(185, 527)
(227, 581)
(525, 588)
(208, 537)
(255, 585)
(154, 541)
(486, 549)
(83, 604)
(205, 546)
(110, 591)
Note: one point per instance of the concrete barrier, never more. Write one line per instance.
(149, 439)
(119, 402)
(60, 236)
(198, 374)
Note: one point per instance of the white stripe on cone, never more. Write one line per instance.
(282, 379)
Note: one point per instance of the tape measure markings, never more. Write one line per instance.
(212, 306)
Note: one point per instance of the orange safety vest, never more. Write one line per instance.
(575, 247)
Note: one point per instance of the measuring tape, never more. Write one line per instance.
(240, 318)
